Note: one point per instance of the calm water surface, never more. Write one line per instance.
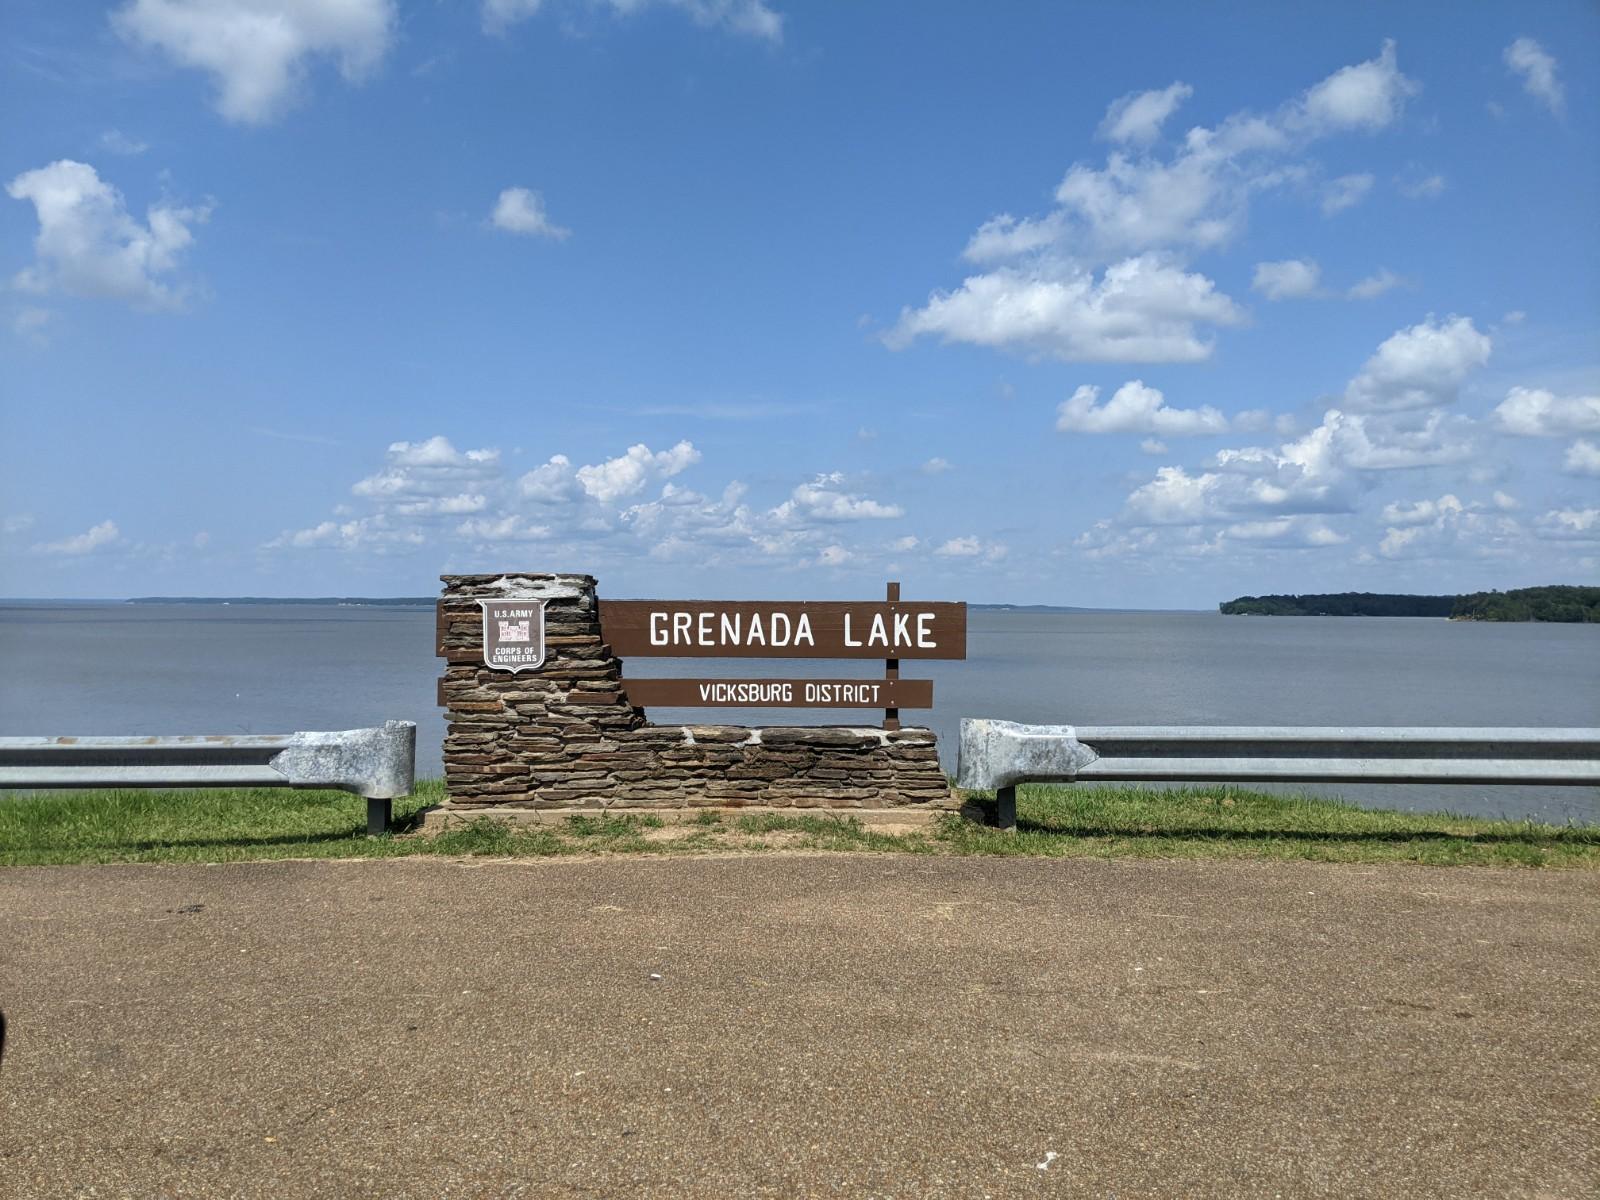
(160, 669)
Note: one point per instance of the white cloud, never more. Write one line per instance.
(1446, 528)
(681, 524)
(1006, 237)
(1418, 367)
(834, 556)
(257, 50)
(1422, 512)
(628, 474)
(1384, 443)
(556, 482)
(96, 538)
(423, 484)
(437, 452)
(510, 528)
(33, 324)
(116, 142)
(1528, 59)
(751, 18)
(374, 533)
(971, 547)
(1506, 502)
(1135, 408)
(1301, 279)
(1374, 285)
(17, 523)
(1261, 420)
(1415, 185)
(1138, 116)
(1139, 310)
(1368, 95)
(905, 544)
(424, 473)
(1345, 192)
(1297, 532)
(1582, 458)
(1152, 446)
(1102, 276)
(1289, 279)
(821, 500)
(522, 211)
(1131, 205)
(1535, 412)
(1431, 529)
(499, 15)
(1166, 543)
(88, 245)
(1316, 473)
(1570, 524)
(935, 466)
(1174, 497)
(443, 506)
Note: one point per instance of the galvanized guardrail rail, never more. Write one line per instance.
(379, 764)
(998, 755)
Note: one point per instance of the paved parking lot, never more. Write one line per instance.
(799, 1026)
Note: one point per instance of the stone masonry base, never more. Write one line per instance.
(441, 817)
(564, 736)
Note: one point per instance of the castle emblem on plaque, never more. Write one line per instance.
(513, 634)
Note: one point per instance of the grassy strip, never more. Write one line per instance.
(239, 824)
(1220, 822)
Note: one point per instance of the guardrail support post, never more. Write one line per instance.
(380, 813)
(1005, 809)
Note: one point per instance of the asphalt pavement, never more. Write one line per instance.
(799, 1025)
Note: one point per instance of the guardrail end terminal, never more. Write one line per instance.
(997, 754)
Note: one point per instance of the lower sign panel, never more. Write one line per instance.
(779, 693)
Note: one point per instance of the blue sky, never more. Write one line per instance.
(1146, 305)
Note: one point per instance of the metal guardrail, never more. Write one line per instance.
(1000, 754)
(379, 764)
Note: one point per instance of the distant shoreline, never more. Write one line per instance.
(430, 601)
(1558, 604)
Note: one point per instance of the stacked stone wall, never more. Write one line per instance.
(565, 736)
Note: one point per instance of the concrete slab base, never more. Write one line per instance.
(441, 817)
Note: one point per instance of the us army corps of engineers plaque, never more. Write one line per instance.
(513, 635)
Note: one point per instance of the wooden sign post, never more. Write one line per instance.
(891, 668)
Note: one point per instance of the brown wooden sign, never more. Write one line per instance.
(780, 693)
(784, 629)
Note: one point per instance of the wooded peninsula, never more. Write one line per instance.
(1571, 605)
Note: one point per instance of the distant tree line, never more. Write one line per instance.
(1568, 604)
(352, 601)
(1341, 604)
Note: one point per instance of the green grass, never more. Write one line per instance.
(239, 824)
(1219, 822)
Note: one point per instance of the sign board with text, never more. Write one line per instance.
(784, 629)
(888, 630)
(780, 693)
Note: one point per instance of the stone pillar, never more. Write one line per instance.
(565, 736)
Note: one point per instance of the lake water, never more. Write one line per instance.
(163, 669)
